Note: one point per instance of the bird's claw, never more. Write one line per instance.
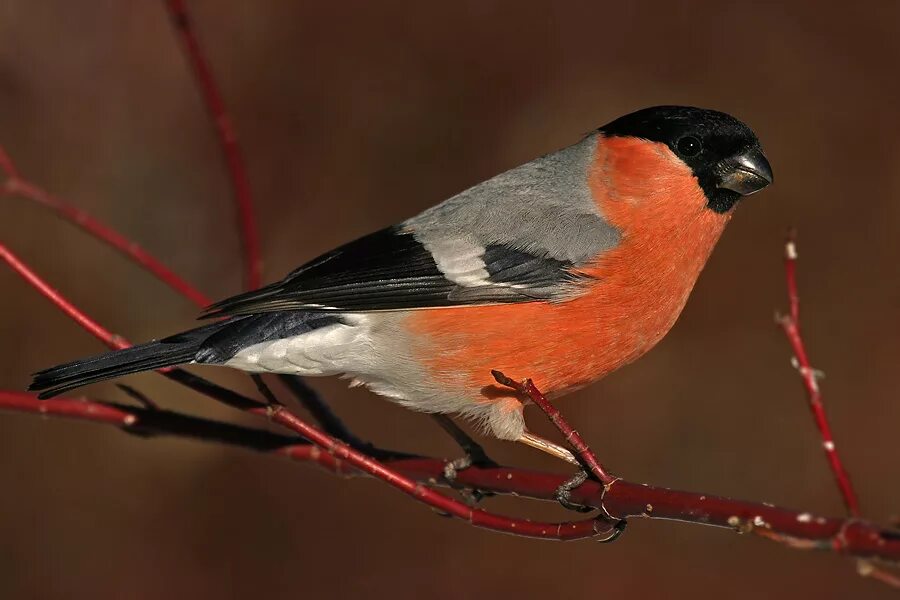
(453, 467)
(617, 529)
(563, 493)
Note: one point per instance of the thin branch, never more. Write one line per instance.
(330, 423)
(865, 568)
(18, 186)
(475, 516)
(264, 389)
(88, 324)
(582, 451)
(227, 137)
(318, 408)
(138, 396)
(624, 499)
(117, 342)
(474, 452)
(790, 324)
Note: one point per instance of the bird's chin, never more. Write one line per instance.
(723, 201)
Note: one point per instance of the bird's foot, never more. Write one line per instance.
(475, 456)
(453, 467)
(563, 493)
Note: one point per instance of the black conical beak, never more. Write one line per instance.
(745, 173)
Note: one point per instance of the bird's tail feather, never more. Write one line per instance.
(176, 350)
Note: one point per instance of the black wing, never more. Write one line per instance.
(391, 270)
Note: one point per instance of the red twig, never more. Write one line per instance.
(790, 274)
(582, 450)
(228, 141)
(866, 569)
(790, 324)
(476, 516)
(117, 342)
(91, 326)
(66, 407)
(623, 499)
(16, 185)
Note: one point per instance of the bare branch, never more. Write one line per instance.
(227, 137)
(623, 499)
(790, 324)
(18, 186)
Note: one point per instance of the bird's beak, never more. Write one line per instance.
(745, 173)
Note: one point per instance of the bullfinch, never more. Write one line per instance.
(562, 270)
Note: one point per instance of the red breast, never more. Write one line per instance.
(667, 234)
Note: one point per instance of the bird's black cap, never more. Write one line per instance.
(723, 152)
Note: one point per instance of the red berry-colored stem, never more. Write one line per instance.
(790, 324)
(18, 186)
(228, 140)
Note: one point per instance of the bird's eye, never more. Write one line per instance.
(689, 146)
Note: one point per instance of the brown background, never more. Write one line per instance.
(356, 115)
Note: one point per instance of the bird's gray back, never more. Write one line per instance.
(544, 207)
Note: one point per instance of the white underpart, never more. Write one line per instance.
(325, 351)
(348, 349)
(375, 350)
(461, 261)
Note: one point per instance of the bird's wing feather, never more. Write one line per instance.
(391, 270)
(521, 236)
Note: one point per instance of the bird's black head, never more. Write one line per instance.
(722, 152)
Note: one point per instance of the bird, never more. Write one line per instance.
(563, 269)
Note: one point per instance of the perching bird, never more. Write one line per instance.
(562, 270)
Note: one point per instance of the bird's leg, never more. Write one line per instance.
(474, 453)
(264, 389)
(551, 448)
(563, 492)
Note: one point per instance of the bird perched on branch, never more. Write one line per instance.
(563, 269)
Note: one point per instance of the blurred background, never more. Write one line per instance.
(355, 115)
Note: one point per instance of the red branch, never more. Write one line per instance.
(790, 324)
(571, 436)
(16, 185)
(88, 324)
(476, 516)
(228, 140)
(622, 499)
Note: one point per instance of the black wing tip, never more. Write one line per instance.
(216, 309)
(210, 312)
(225, 312)
(239, 304)
(44, 382)
(41, 380)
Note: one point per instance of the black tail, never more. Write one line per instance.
(212, 344)
(169, 352)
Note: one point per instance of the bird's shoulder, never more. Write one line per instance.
(520, 236)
